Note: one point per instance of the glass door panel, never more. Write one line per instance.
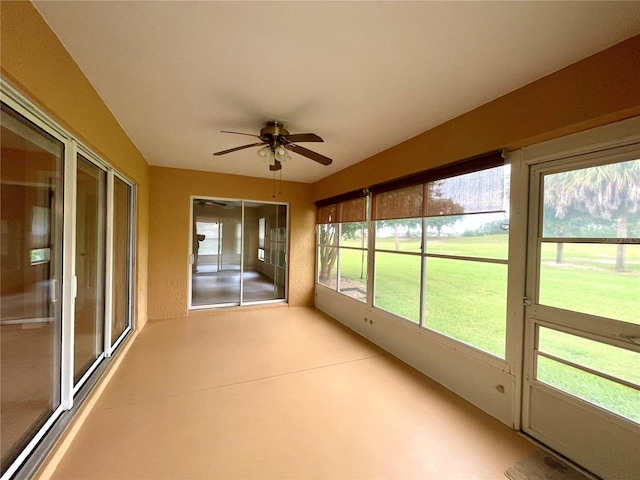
(264, 248)
(121, 302)
(257, 272)
(601, 374)
(90, 266)
(281, 247)
(30, 306)
(583, 318)
(216, 252)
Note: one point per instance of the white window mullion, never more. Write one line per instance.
(69, 279)
(371, 251)
(108, 293)
(423, 273)
(338, 243)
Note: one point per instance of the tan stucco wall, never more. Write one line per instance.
(34, 61)
(600, 89)
(169, 229)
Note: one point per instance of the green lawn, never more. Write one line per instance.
(466, 300)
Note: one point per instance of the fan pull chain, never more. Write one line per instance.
(280, 184)
(274, 185)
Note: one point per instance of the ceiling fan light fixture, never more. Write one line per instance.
(267, 155)
(282, 155)
(276, 145)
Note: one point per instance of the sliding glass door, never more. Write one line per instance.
(238, 252)
(30, 305)
(66, 296)
(91, 193)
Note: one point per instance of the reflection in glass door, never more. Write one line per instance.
(90, 266)
(30, 306)
(582, 389)
(216, 252)
(265, 245)
(239, 252)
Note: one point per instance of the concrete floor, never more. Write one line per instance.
(279, 393)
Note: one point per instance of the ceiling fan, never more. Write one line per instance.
(277, 141)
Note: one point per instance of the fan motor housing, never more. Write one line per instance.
(273, 129)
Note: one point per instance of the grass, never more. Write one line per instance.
(585, 282)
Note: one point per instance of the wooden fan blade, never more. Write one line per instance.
(275, 167)
(309, 154)
(240, 133)
(224, 152)
(303, 137)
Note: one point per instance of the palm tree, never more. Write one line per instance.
(610, 192)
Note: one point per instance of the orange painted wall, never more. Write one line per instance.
(600, 89)
(34, 61)
(169, 232)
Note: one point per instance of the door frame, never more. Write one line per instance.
(191, 256)
(601, 145)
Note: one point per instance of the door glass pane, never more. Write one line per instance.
(594, 202)
(614, 361)
(616, 397)
(90, 264)
(30, 307)
(281, 246)
(582, 277)
(121, 258)
(600, 276)
(216, 250)
(264, 248)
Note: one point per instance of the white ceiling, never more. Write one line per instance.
(365, 76)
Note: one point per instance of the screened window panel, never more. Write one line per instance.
(477, 192)
(401, 203)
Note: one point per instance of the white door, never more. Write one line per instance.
(581, 393)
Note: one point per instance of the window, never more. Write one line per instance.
(397, 254)
(466, 242)
(438, 238)
(436, 234)
(342, 247)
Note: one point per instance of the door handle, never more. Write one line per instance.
(53, 292)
